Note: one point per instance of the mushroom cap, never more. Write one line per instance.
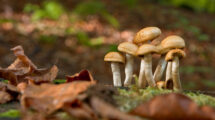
(128, 47)
(146, 34)
(114, 57)
(171, 42)
(145, 49)
(175, 52)
(161, 84)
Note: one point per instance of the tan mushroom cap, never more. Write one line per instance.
(114, 57)
(161, 84)
(128, 47)
(175, 52)
(171, 42)
(145, 49)
(146, 34)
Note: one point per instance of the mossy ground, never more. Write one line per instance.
(127, 100)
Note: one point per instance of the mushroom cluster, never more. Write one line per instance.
(170, 49)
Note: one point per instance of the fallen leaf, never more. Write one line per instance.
(23, 70)
(173, 106)
(107, 111)
(80, 110)
(43, 76)
(84, 75)
(5, 97)
(48, 98)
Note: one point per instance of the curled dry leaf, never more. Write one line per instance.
(23, 70)
(109, 112)
(7, 92)
(80, 110)
(5, 97)
(84, 75)
(173, 106)
(43, 76)
(48, 98)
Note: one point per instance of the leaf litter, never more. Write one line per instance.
(82, 98)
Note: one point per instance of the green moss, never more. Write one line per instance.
(13, 113)
(59, 81)
(127, 100)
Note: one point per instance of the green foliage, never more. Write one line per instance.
(84, 39)
(208, 83)
(10, 114)
(49, 39)
(195, 69)
(95, 7)
(59, 81)
(129, 3)
(49, 9)
(197, 5)
(112, 48)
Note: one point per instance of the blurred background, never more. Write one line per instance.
(76, 34)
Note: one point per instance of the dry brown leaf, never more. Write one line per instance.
(48, 98)
(5, 97)
(43, 76)
(84, 75)
(173, 106)
(23, 70)
(107, 111)
(8, 93)
(80, 110)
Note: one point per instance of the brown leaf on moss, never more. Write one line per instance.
(107, 111)
(84, 75)
(5, 97)
(48, 98)
(173, 106)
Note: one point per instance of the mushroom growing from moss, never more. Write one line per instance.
(143, 36)
(145, 51)
(170, 42)
(174, 56)
(161, 84)
(130, 50)
(115, 58)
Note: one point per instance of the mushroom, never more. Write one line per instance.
(161, 84)
(174, 56)
(130, 50)
(145, 35)
(145, 51)
(115, 58)
(170, 42)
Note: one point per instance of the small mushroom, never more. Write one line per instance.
(143, 36)
(146, 34)
(130, 50)
(145, 51)
(115, 58)
(174, 56)
(166, 45)
(161, 84)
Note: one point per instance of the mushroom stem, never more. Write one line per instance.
(175, 74)
(148, 70)
(142, 78)
(128, 69)
(116, 74)
(160, 69)
(169, 71)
